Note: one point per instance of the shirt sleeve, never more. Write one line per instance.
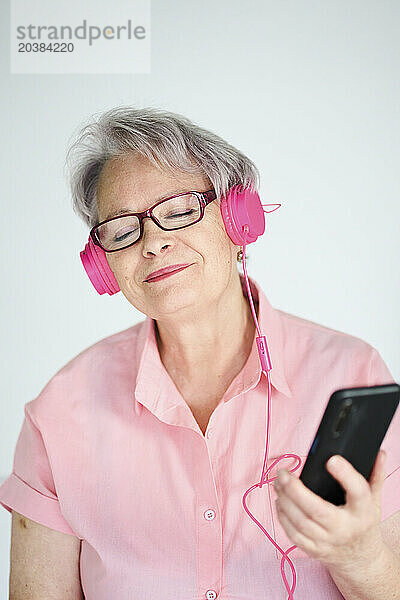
(379, 374)
(30, 489)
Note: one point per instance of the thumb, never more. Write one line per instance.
(378, 475)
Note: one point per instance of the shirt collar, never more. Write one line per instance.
(155, 389)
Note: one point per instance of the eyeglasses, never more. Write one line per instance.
(175, 212)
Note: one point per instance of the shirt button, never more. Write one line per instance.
(209, 514)
(211, 594)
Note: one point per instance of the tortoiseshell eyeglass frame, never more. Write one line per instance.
(204, 199)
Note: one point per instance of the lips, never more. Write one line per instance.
(166, 270)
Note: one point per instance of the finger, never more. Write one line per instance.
(293, 534)
(299, 519)
(378, 475)
(315, 507)
(351, 480)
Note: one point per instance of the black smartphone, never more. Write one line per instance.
(354, 424)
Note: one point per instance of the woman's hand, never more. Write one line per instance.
(336, 535)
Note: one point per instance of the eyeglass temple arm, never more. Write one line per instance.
(210, 195)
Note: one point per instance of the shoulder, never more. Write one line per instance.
(318, 344)
(311, 332)
(109, 348)
(89, 374)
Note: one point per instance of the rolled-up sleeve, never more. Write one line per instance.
(30, 489)
(380, 374)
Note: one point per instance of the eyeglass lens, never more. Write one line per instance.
(174, 213)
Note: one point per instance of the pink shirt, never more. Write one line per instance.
(110, 452)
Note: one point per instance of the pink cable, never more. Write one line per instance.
(266, 366)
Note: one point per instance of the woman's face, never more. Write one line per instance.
(134, 182)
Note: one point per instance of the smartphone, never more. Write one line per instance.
(354, 424)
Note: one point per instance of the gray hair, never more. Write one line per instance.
(169, 140)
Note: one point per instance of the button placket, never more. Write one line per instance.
(209, 531)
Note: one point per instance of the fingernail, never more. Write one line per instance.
(332, 462)
(283, 477)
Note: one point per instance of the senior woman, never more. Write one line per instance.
(131, 463)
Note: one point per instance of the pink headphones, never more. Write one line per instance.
(238, 209)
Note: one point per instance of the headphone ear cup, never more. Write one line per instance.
(240, 208)
(98, 270)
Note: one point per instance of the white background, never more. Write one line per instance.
(308, 90)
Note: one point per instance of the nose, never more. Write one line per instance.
(154, 239)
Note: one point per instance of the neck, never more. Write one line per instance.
(212, 345)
